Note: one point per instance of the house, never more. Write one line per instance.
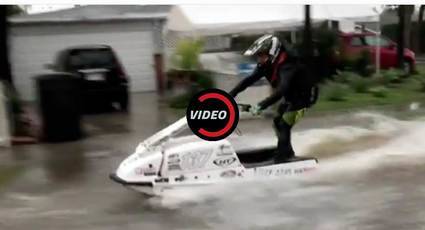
(228, 28)
(133, 31)
(219, 23)
(139, 32)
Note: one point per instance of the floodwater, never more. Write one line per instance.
(370, 177)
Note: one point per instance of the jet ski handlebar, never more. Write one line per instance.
(244, 107)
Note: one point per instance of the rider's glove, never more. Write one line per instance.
(255, 110)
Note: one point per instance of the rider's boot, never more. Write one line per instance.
(285, 151)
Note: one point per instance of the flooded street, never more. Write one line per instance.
(370, 177)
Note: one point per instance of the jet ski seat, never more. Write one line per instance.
(264, 156)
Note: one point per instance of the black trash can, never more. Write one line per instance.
(59, 100)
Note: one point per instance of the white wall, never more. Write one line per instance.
(4, 118)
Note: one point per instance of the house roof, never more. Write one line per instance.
(96, 13)
(225, 19)
(88, 46)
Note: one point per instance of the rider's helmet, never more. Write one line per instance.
(266, 44)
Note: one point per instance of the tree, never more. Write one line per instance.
(408, 11)
(404, 15)
(5, 12)
(4, 54)
(419, 28)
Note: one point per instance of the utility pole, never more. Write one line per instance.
(378, 43)
(308, 38)
(400, 33)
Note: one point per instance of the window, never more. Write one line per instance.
(91, 58)
(356, 41)
(373, 41)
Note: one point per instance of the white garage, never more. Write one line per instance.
(134, 32)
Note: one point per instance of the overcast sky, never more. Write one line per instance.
(33, 9)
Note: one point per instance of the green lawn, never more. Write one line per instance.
(420, 69)
(409, 90)
(398, 94)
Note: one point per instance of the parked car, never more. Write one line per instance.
(104, 80)
(354, 43)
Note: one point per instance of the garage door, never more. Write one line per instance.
(29, 54)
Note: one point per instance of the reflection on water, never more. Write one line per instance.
(65, 164)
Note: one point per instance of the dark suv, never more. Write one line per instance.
(104, 81)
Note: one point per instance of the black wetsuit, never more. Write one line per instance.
(292, 85)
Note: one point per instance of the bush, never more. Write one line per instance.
(421, 82)
(187, 71)
(360, 84)
(203, 80)
(335, 91)
(199, 80)
(388, 77)
(181, 101)
(392, 76)
(19, 125)
(379, 91)
(186, 56)
(345, 76)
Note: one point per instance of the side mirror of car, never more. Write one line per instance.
(49, 66)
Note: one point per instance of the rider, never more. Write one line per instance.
(292, 85)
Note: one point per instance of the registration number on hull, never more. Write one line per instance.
(282, 171)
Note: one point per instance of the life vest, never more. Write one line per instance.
(306, 96)
(275, 72)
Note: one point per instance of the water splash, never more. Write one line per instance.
(342, 194)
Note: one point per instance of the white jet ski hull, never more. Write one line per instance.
(161, 162)
(195, 162)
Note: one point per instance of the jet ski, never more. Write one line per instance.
(164, 161)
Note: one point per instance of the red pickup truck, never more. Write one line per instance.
(354, 43)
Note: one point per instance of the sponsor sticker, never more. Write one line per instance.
(162, 180)
(150, 171)
(174, 167)
(224, 161)
(228, 174)
(180, 178)
(225, 150)
(174, 162)
(194, 160)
